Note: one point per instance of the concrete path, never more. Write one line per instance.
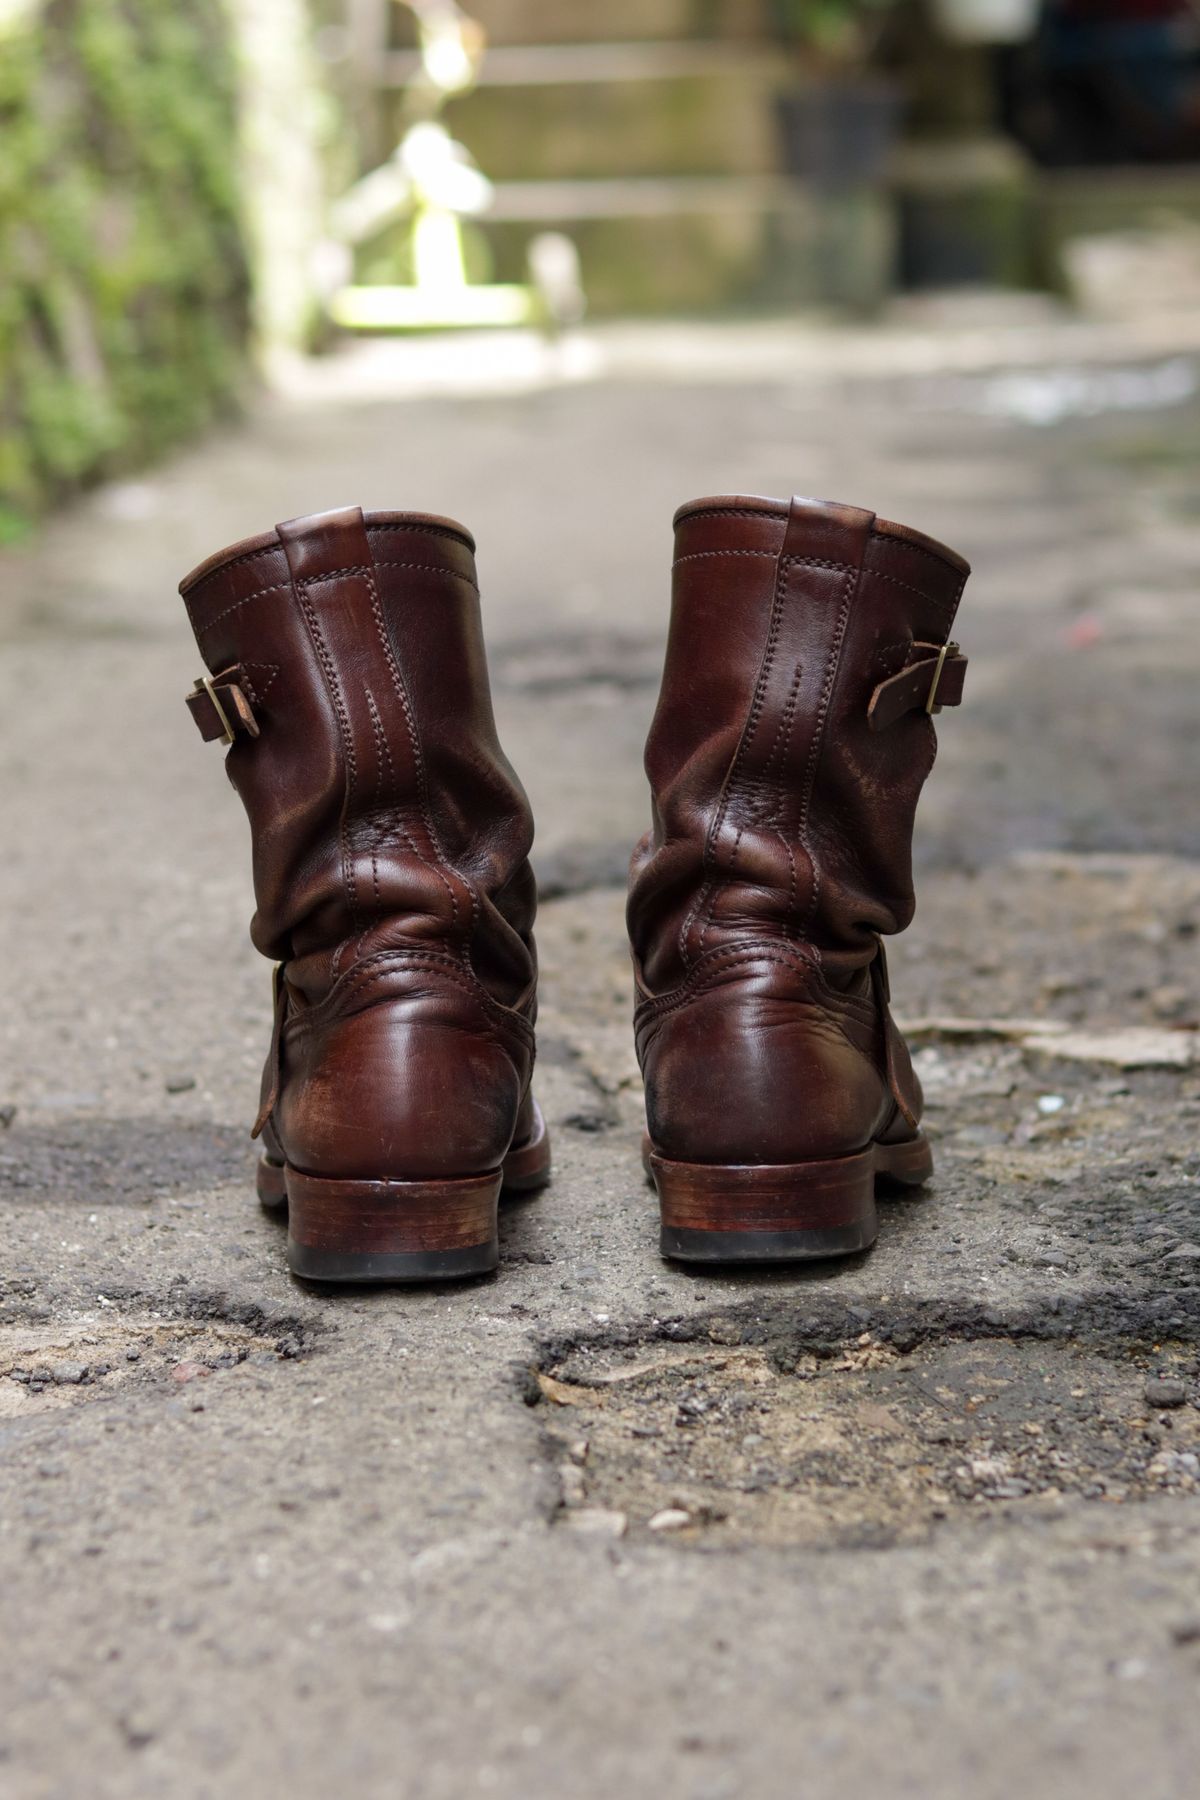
(932, 1516)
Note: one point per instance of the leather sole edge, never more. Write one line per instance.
(771, 1213)
(389, 1231)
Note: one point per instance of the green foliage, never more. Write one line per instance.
(832, 30)
(123, 285)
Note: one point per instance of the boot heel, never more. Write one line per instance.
(384, 1231)
(744, 1213)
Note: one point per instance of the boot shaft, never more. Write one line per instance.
(791, 738)
(345, 659)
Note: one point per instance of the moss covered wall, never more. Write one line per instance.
(123, 283)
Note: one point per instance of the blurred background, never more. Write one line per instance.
(187, 191)
(554, 267)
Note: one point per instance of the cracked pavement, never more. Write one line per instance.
(923, 1522)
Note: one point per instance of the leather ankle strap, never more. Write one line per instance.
(220, 708)
(932, 678)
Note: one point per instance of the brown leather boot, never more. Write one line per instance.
(809, 645)
(346, 672)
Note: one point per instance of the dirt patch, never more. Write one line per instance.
(44, 1368)
(865, 1444)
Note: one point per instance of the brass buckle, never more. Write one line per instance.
(945, 651)
(203, 685)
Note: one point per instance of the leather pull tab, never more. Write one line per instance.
(827, 531)
(322, 545)
(269, 1091)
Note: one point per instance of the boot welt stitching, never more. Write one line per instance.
(945, 605)
(361, 975)
(648, 1019)
(716, 962)
(455, 537)
(385, 958)
(236, 562)
(699, 555)
(457, 978)
(889, 537)
(332, 575)
(203, 630)
(948, 606)
(430, 569)
(258, 694)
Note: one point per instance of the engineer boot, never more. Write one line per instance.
(809, 646)
(345, 670)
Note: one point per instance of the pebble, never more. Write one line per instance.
(1050, 1103)
(671, 1518)
(8, 1113)
(68, 1374)
(1163, 1391)
(597, 1521)
(179, 1084)
(588, 1121)
(192, 1371)
(573, 1489)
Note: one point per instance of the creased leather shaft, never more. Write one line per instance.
(390, 838)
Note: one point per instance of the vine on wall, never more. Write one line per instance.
(124, 291)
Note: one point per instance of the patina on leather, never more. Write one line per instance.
(810, 644)
(345, 669)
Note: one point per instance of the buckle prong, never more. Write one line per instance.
(203, 685)
(931, 705)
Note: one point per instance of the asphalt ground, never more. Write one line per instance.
(924, 1522)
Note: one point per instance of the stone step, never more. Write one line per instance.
(574, 112)
(650, 197)
(543, 65)
(549, 21)
(701, 245)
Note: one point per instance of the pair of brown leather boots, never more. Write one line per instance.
(809, 645)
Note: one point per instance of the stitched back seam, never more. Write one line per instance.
(337, 700)
(401, 690)
(849, 589)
